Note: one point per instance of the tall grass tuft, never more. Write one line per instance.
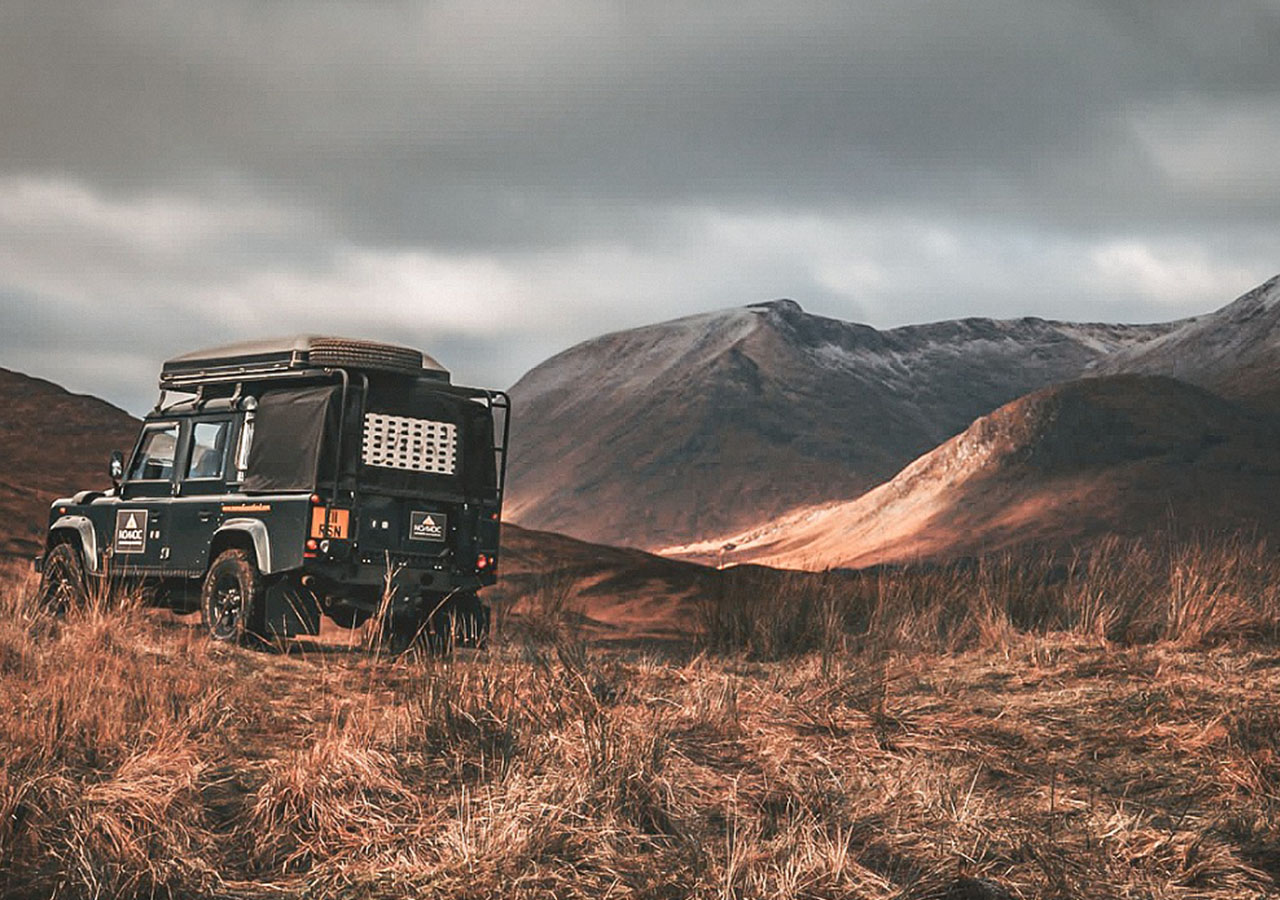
(1125, 591)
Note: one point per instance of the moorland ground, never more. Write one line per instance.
(1097, 728)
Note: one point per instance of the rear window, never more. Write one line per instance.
(414, 445)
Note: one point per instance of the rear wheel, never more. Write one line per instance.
(470, 620)
(429, 628)
(62, 582)
(231, 599)
(405, 630)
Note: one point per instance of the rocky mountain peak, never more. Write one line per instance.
(783, 306)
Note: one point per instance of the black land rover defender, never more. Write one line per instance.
(282, 479)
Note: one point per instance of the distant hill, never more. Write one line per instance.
(52, 443)
(1126, 454)
(713, 423)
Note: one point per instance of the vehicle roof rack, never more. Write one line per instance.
(294, 356)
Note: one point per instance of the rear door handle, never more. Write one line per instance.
(205, 515)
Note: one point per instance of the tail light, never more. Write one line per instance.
(482, 561)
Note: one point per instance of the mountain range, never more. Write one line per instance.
(716, 422)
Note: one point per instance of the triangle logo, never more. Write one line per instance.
(427, 526)
(131, 531)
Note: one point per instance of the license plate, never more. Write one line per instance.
(338, 526)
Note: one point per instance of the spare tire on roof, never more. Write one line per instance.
(365, 355)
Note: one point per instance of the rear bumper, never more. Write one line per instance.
(403, 576)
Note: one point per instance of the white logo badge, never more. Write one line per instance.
(426, 526)
(131, 531)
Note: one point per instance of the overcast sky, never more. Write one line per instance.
(495, 182)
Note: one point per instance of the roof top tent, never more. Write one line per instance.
(293, 356)
(317, 400)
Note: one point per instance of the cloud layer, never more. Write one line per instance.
(496, 181)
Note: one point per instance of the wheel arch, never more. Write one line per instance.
(79, 531)
(246, 534)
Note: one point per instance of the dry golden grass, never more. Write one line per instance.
(1089, 730)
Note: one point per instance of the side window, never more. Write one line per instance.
(208, 449)
(154, 461)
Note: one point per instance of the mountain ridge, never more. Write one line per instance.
(679, 429)
(1234, 350)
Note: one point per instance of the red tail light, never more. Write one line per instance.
(482, 561)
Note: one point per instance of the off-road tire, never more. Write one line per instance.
(231, 600)
(63, 585)
(365, 355)
(401, 632)
(470, 621)
(431, 631)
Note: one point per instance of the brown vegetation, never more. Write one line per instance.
(1102, 727)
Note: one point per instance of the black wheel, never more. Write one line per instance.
(231, 599)
(470, 620)
(429, 628)
(62, 582)
(440, 636)
(403, 631)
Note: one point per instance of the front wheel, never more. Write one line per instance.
(231, 604)
(62, 581)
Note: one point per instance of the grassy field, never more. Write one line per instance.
(1093, 728)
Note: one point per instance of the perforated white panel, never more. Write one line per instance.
(418, 445)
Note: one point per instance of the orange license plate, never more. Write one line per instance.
(338, 526)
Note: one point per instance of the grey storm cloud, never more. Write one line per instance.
(498, 180)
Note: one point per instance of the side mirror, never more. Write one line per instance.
(117, 467)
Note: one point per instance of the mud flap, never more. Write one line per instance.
(289, 609)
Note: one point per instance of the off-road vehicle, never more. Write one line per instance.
(277, 480)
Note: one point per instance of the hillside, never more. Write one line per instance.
(52, 443)
(1234, 351)
(1118, 455)
(609, 593)
(712, 423)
